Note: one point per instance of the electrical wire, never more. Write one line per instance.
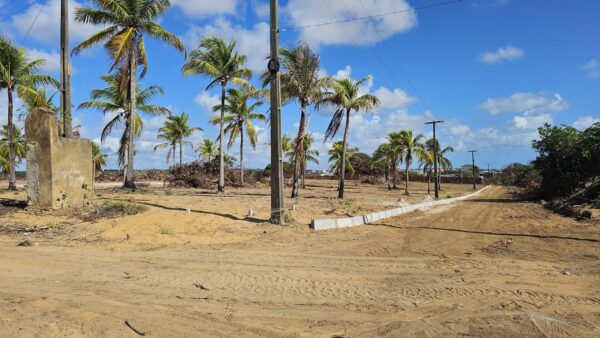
(32, 24)
(18, 12)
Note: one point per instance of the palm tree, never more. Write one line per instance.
(287, 148)
(346, 99)
(308, 155)
(125, 23)
(98, 156)
(20, 75)
(411, 145)
(239, 115)
(182, 129)
(219, 61)
(20, 146)
(337, 155)
(387, 157)
(300, 81)
(112, 101)
(427, 159)
(168, 133)
(207, 150)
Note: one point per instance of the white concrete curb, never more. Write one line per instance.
(324, 224)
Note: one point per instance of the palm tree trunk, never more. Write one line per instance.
(130, 173)
(299, 150)
(174, 151)
(180, 154)
(304, 172)
(343, 164)
(221, 187)
(242, 155)
(394, 174)
(428, 182)
(12, 176)
(406, 187)
(387, 176)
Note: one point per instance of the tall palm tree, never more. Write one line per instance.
(20, 75)
(337, 157)
(20, 146)
(111, 101)
(219, 61)
(345, 98)
(239, 115)
(207, 150)
(98, 156)
(300, 81)
(125, 24)
(411, 145)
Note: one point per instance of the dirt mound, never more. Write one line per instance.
(581, 201)
(201, 175)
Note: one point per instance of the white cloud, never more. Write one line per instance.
(531, 122)
(394, 99)
(592, 69)
(530, 103)
(584, 122)
(261, 9)
(311, 12)
(207, 101)
(253, 42)
(52, 58)
(459, 129)
(343, 73)
(206, 8)
(508, 53)
(47, 27)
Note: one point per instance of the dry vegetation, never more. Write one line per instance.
(491, 266)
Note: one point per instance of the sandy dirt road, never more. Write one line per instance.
(493, 266)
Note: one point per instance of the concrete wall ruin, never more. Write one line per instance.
(59, 170)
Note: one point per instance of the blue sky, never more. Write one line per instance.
(494, 70)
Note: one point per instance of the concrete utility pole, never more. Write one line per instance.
(436, 183)
(65, 71)
(473, 168)
(277, 212)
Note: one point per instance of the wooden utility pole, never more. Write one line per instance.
(436, 183)
(277, 212)
(473, 168)
(65, 71)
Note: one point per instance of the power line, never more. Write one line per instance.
(17, 12)
(386, 75)
(33, 23)
(368, 17)
(388, 49)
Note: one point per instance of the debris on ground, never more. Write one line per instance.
(582, 202)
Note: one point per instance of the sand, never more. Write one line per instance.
(490, 266)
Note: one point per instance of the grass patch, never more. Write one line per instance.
(165, 231)
(114, 209)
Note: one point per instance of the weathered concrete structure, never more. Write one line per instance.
(59, 170)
